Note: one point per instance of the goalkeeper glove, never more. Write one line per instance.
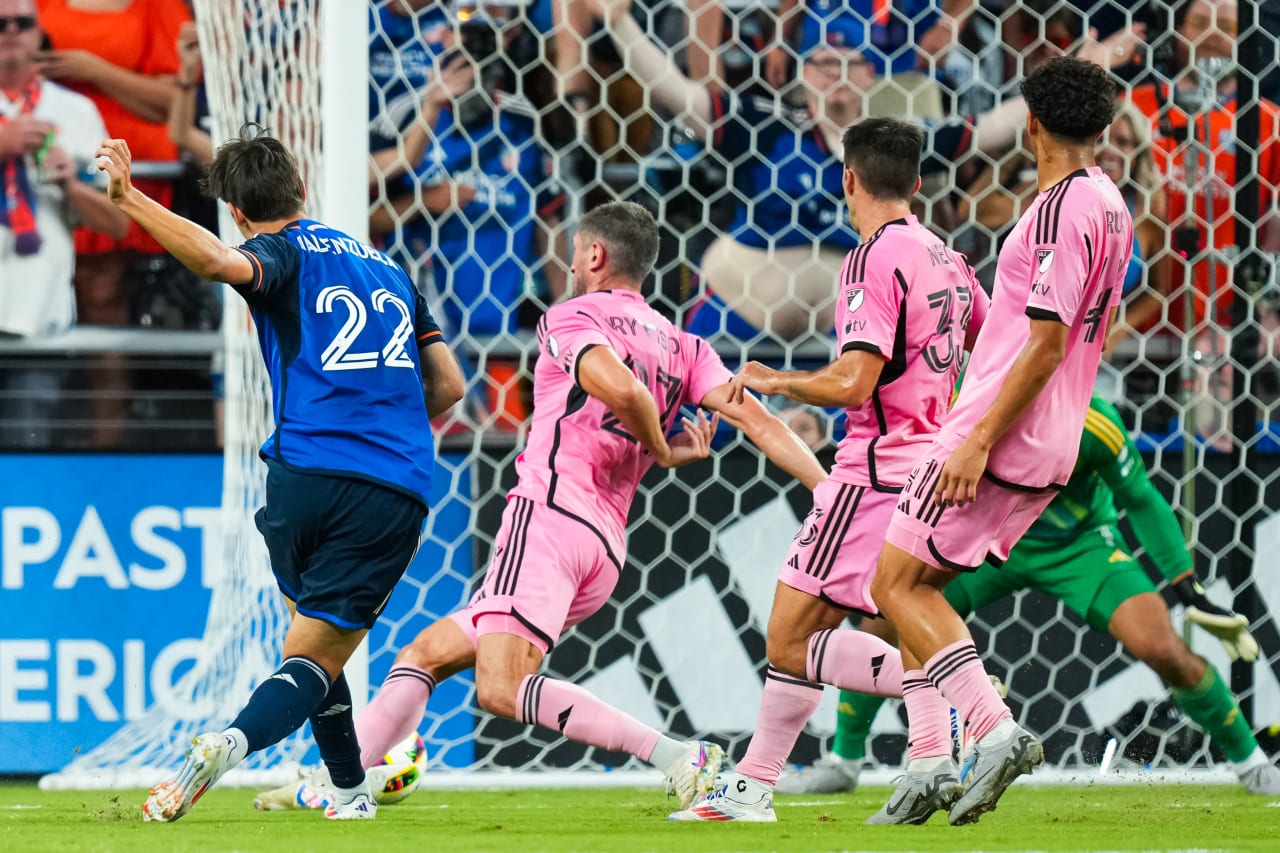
(1229, 627)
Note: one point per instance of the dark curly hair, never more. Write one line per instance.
(1071, 98)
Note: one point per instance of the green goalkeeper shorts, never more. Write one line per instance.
(1093, 575)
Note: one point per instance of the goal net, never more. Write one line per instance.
(481, 214)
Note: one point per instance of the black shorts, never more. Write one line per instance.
(338, 546)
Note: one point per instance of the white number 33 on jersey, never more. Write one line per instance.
(338, 356)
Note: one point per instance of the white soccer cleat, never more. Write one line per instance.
(918, 795)
(1262, 779)
(352, 805)
(207, 759)
(1002, 756)
(314, 790)
(736, 797)
(695, 773)
(830, 774)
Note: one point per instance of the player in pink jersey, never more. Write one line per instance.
(610, 379)
(907, 309)
(1012, 437)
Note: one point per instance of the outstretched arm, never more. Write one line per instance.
(653, 68)
(198, 249)
(847, 381)
(783, 447)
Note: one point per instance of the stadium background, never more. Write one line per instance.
(109, 558)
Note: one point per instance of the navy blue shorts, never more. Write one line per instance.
(338, 546)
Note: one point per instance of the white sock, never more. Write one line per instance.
(924, 765)
(1255, 758)
(239, 746)
(668, 751)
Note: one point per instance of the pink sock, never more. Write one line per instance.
(787, 704)
(853, 660)
(928, 717)
(579, 716)
(394, 713)
(958, 673)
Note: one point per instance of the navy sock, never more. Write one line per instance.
(334, 729)
(282, 703)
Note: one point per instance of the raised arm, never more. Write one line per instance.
(196, 248)
(441, 376)
(774, 438)
(848, 381)
(654, 68)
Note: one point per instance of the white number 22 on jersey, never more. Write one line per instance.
(337, 355)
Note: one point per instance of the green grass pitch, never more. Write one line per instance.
(631, 819)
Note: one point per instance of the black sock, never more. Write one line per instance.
(334, 729)
(283, 702)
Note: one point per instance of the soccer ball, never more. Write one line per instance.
(404, 763)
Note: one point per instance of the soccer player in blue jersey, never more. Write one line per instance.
(350, 345)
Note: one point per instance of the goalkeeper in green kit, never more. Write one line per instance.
(1075, 553)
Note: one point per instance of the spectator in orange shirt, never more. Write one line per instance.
(120, 54)
(1180, 103)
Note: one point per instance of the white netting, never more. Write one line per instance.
(480, 210)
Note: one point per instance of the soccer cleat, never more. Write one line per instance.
(207, 759)
(351, 805)
(997, 761)
(1262, 779)
(695, 773)
(918, 795)
(736, 797)
(830, 774)
(314, 790)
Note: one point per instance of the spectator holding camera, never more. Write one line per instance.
(48, 136)
(784, 249)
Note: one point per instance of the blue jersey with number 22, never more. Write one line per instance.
(340, 325)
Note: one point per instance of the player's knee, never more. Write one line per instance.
(496, 696)
(884, 592)
(787, 654)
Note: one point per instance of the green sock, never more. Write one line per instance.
(1213, 708)
(853, 724)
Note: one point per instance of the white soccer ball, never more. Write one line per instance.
(405, 763)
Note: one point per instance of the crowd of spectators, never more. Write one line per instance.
(493, 123)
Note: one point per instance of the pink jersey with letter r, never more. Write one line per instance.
(1063, 261)
(580, 461)
(909, 299)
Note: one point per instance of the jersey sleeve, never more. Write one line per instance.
(706, 371)
(425, 327)
(565, 333)
(870, 308)
(276, 262)
(1108, 450)
(1061, 247)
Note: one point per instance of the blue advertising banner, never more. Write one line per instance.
(106, 565)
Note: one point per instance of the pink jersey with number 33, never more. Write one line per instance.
(907, 298)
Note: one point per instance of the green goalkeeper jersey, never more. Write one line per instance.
(1109, 476)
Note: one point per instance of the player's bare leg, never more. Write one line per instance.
(1141, 623)
(507, 685)
(909, 593)
(805, 650)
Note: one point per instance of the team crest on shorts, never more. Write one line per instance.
(856, 297)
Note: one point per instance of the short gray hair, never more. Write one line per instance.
(629, 234)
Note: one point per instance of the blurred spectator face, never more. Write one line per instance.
(1209, 29)
(19, 33)
(1118, 150)
(838, 77)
